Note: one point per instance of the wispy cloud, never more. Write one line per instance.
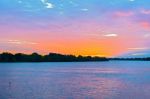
(110, 35)
(84, 9)
(124, 13)
(145, 11)
(132, 0)
(138, 54)
(139, 48)
(145, 24)
(147, 35)
(19, 1)
(47, 4)
(17, 42)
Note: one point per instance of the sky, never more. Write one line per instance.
(79, 27)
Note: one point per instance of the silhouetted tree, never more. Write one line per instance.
(19, 57)
(35, 57)
(7, 57)
(55, 57)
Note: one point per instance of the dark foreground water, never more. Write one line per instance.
(82, 80)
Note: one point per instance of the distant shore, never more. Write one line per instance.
(55, 57)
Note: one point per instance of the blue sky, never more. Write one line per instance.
(89, 27)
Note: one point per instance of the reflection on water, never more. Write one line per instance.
(82, 80)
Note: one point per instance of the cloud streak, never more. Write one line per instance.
(124, 14)
(144, 11)
(47, 4)
(110, 35)
(17, 42)
(139, 48)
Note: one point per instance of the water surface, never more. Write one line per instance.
(75, 80)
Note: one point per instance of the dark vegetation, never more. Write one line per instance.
(52, 57)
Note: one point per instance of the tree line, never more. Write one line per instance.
(131, 59)
(51, 57)
(55, 57)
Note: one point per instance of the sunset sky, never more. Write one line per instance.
(85, 27)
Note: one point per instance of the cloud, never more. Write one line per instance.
(20, 1)
(131, 13)
(146, 35)
(144, 11)
(138, 54)
(47, 4)
(131, 0)
(17, 42)
(124, 14)
(110, 35)
(139, 48)
(85, 9)
(145, 24)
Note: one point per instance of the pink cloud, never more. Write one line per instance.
(145, 25)
(124, 14)
(144, 11)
